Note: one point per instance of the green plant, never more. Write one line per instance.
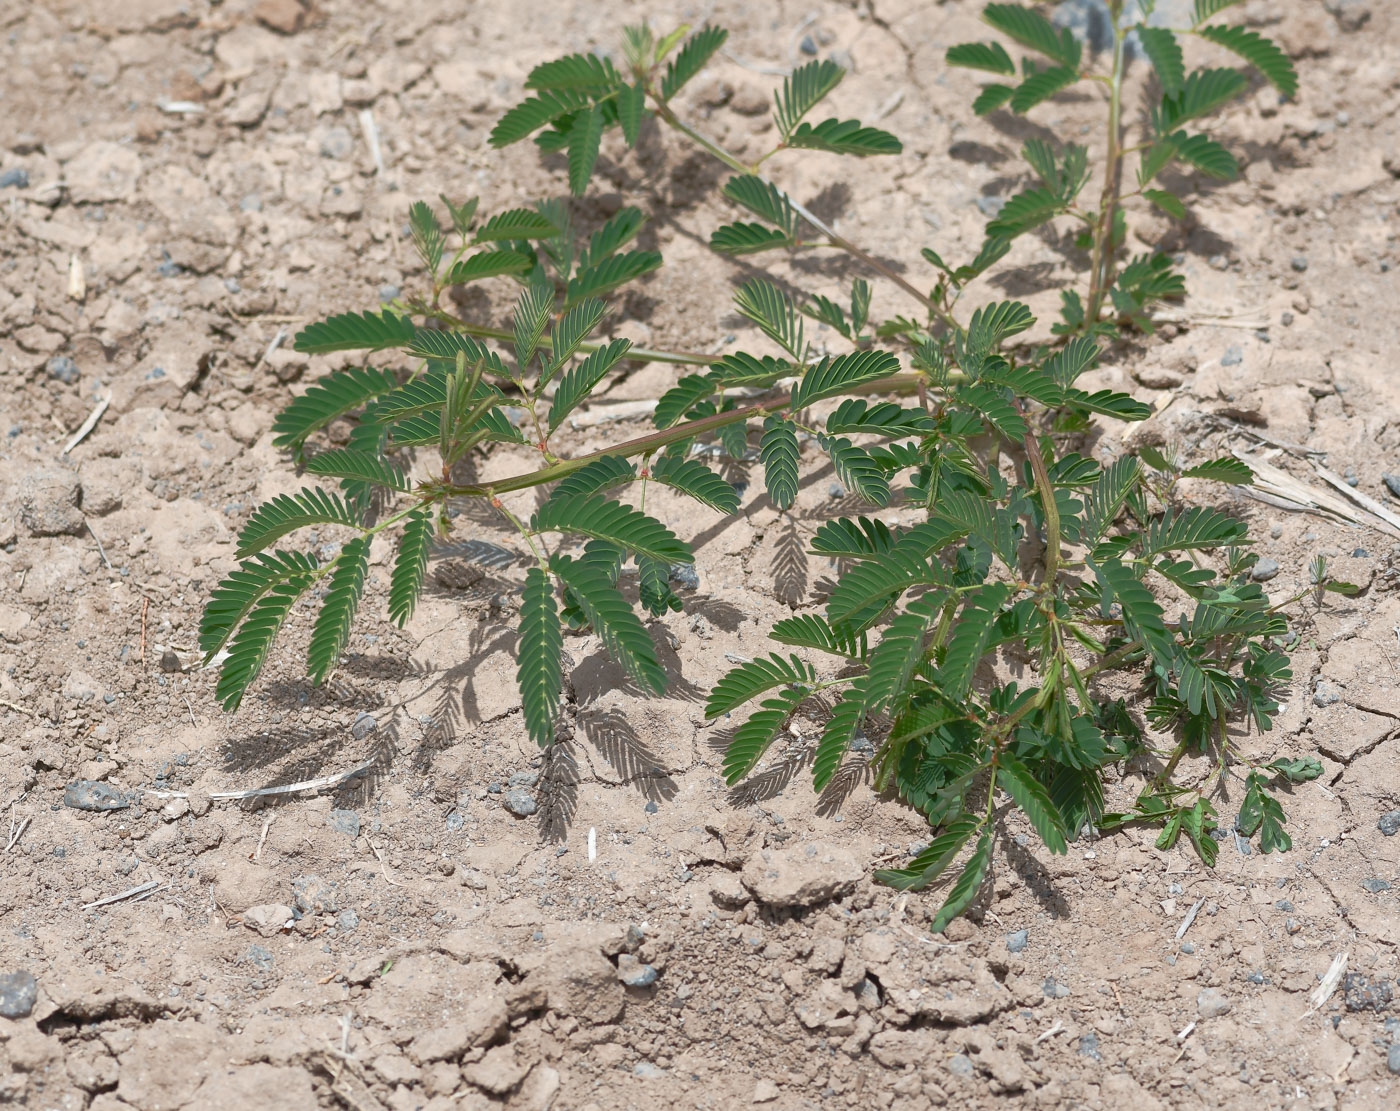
(1028, 547)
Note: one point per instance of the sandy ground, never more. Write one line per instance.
(649, 938)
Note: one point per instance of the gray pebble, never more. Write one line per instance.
(961, 1064)
(1360, 553)
(388, 292)
(808, 45)
(169, 661)
(519, 802)
(685, 576)
(251, 203)
(1392, 1059)
(1255, 977)
(634, 973)
(1089, 1045)
(18, 993)
(523, 779)
(1233, 357)
(1326, 694)
(1392, 483)
(1350, 477)
(1188, 947)
(1286, 319)
(259, 957)
(1017, 942)
(991, 206)
(651, 807)
(1212, 1003)
(314, 895)
(647, 1071)
(16, 178)
(336, 143)
(1389, 823)
(1054, 989)
(64, 369)
(85, 794)
(345, 821)
(1299, 263)
(836, 490)
(455, 821)
(1264, 570)
(1375, 885)
(363, 726)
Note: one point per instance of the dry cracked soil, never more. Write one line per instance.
(184, 182)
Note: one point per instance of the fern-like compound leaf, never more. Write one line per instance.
(1107, 497)
(991, 98)
(585, 72)
(332, 629)
(900, 652)
(602, 474)
(810, 631)
(286, 513)
(595, 516)
(778, 452)
(681, 398)
(612, 236)
(1202, 93)
(585, 138)
(693, 56)
(752, 739)
(532, 314)
(611, 272)
(1032, 29)
(427, 235)
(774, 312)
(631, 109)
(578, 383)
(1142, 615)
(355, 331)
(971, 635)
(698, 481)
(487, 264)
(328, 399)
(250, 647)
(844, 137)
(969, 882)
(853, 538)
(747, 681)
(1034, 800)
(1206, 8)
(1234, 471)
(990, 57)
(1040, 87)
(359, 466)
(532, 114)
(831, 377)
(539, 672)
(576, 326)
(745, 238)
(857, 470)
(878, 582)
(612, 619)
(933, 860)
(1206, 155)
(764, 200)
(838, 736)
(406, 580)
(1164, 51)
(1026, 211)
(517, 223)
(802, 90)
(236, 595)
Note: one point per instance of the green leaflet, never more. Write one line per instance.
(612, 620)
(332, 630)
(595, 516)
(406, 580)
(756, 677)
(540, 669)
(778, 451)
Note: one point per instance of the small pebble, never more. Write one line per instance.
(1375, 885)
(1276, 531)
(685, 576)
(519, 802)
(961, 1064)
(1264, 570)
(64, 369)
(1188, 947)
(1389, 823)
(19, 991)
(1089, 1045)
(836, 490)
(1255, 977)
(345, 821)
(1233, 357)
(1212, 1003)
(1360, 553)
(1392, 483)
(388, 292)
(1016, 942)
(336, 143)
(1286, 319)
(1326, 694)
(1299, 263)
(634, 973)
(808, 45)
(1392, 1059)
(1054, 989)
(363, 726)
(991, 207)
(85, 794)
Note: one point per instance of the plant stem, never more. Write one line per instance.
(635, 354)
(1048, 506)
(663, 111)
(654, 441)
(1101, 275)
